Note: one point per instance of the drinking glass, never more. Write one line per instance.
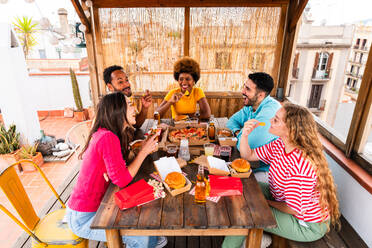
(209, 149)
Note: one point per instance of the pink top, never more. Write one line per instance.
(292, 179)
(102, 156)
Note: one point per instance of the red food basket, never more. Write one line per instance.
(225, 186)
(135, 194)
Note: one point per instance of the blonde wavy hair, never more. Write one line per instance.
(303, 133)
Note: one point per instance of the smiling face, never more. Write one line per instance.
(120, 82)
(186, 82)
(250, 94)
(278, 126)
(131, 112)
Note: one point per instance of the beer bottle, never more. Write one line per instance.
(157, 117)
(212, 132)
(201, 186)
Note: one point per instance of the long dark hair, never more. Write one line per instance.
(112, 115)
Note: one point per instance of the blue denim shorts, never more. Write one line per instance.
(80, 222)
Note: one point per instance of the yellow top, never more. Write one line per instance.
(187, 104)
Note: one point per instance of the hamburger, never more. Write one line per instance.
(241, 165)
(175, 180)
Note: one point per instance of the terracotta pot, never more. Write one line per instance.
(10, 158)
(79, 116)
(37, 159)
(91, 113)
(86, 114)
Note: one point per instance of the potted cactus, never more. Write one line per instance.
(29, 152)
(79, 113)
(9, 144)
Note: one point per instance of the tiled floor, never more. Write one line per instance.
(37, 189)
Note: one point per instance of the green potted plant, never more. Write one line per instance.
(9, 144)
(79, 113)
(29, 152)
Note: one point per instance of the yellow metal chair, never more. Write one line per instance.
(49, 231)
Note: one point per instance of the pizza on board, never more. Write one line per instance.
(189, 133)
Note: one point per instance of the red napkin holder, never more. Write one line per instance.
(135, 194)
(225, 186)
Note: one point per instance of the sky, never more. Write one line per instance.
(332, 12)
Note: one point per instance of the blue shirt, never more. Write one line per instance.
(260, 135)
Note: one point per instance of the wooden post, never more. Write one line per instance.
(294, 13)
(279, 47)
(254, 238)
(94, 86)
(186, 31)
(99, 51)
(113, 238)
(360, 121)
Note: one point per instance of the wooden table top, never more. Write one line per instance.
(249, 211)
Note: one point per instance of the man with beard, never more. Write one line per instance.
(117, 80)
(259, 105)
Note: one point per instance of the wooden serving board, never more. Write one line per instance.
(192, 142)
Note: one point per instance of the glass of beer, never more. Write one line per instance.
(225, 153)
(171, 150)
(208, 149)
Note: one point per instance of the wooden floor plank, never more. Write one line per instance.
(180, 242)
(193, 242)
(205, 242)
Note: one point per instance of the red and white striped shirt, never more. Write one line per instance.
(292, 180)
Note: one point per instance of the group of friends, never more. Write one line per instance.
(293, 172)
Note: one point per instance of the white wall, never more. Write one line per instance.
(355, 202)
(16, 102)
(55, 92)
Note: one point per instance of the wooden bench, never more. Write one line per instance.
(347, 237)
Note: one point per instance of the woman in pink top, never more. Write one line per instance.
(301, 191)
(107, 144)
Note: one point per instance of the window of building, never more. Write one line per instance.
(42, 53)
(348, 82)
(364, 43)
(361, 58)
(316, 93)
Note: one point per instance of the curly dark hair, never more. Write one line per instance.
(107, 73)
(263, 81)
(186, 65)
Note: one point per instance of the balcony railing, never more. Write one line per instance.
(321, 75)
(354, 74)
(295, 72)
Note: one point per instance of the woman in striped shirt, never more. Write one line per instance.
(301, 191)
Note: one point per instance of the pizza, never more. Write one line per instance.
(189, 133)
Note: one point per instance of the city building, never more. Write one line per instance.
(318, 68)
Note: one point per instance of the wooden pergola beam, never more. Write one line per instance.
(297, 13)
(357, 133)
(184, 3)
(186, 41)
(79, 10)
(295, 9)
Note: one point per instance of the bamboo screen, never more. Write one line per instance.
(229, 43)
(145, 41)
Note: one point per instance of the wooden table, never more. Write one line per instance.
(180, 216)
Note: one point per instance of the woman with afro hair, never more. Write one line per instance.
(183, 100)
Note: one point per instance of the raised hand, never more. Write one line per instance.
(249, 126)
(150, 145)
(175, 98)
(146, 99)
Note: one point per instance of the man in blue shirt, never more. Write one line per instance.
(261, 106)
